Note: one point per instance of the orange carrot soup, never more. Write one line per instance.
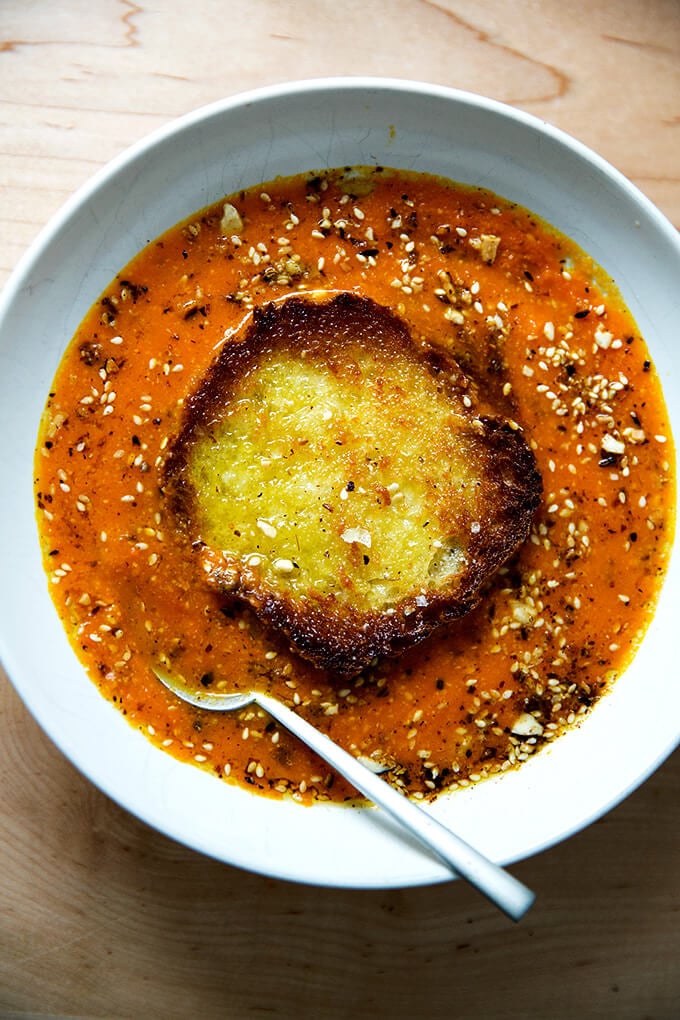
(511, 300)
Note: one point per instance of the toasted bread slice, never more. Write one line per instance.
(345, 482)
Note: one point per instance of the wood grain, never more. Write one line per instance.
(102, 917)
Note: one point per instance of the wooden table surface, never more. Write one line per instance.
(99, 915)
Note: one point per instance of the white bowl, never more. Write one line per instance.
(194, 161)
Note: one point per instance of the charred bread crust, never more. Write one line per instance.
(336, 629)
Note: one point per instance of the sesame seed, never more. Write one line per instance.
(266, 527)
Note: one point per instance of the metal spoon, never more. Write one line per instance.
(498, 885)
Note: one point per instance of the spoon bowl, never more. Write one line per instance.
(510, 895)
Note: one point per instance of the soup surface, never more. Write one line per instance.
(516, 304)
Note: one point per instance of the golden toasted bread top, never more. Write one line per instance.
(345, 481)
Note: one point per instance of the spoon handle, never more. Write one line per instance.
(490, 879)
